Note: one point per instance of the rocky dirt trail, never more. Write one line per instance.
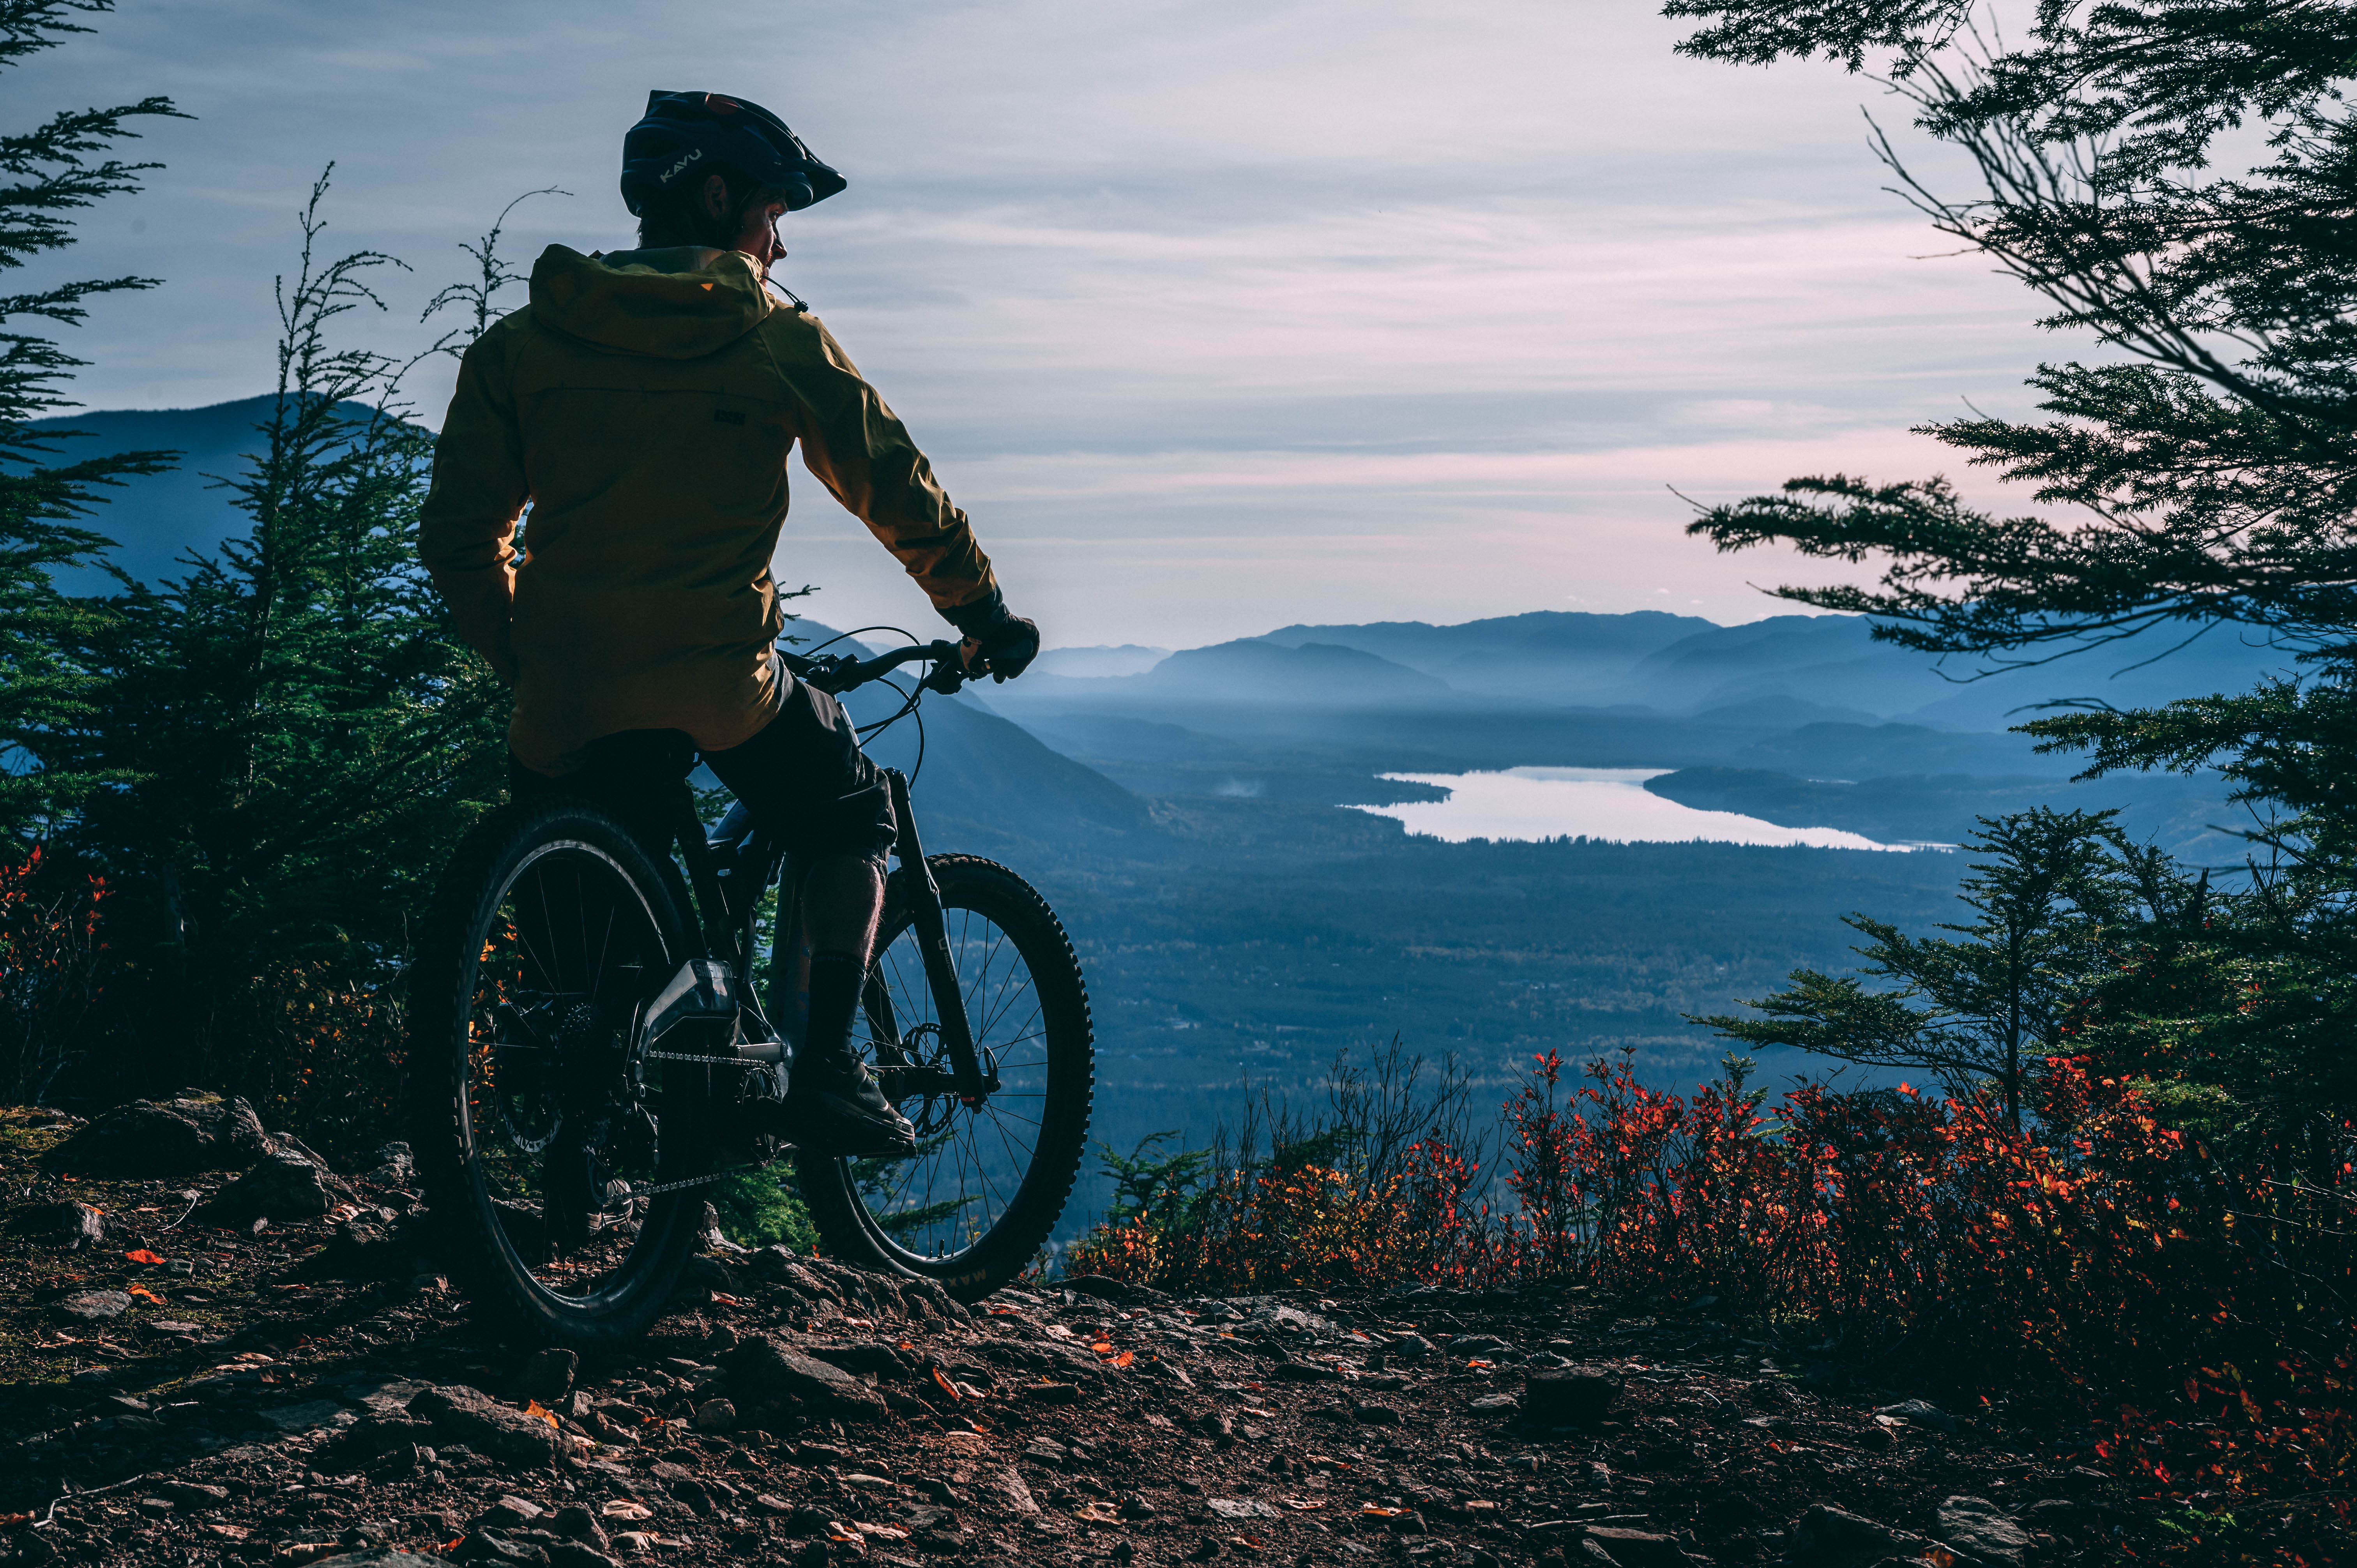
(222, 1351)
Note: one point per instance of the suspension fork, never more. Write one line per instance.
(976, 1077)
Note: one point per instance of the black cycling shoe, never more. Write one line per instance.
(834, 1107)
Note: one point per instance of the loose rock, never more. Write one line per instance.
(548, 1375)
(1573, 1396)
(463, 1414)
(91, 1306)
(766, 1368)
(1923, 1414)
(64, 1223)
(1834, 1538)
(285, 1186)
(1978, 1528)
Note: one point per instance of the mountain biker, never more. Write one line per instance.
(640, 407)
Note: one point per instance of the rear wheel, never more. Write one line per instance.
(989, 1181)
(535, 1111)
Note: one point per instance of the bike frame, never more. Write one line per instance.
(727, 893)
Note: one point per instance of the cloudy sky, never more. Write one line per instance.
(1214, 315)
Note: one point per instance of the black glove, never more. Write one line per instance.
(1001, 644)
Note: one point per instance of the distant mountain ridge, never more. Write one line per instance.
(156, 518)
(1248, 673)
(1686, 665)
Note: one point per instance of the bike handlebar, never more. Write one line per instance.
(839, 673)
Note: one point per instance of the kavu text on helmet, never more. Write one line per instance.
(683, 136)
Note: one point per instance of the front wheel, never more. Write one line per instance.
(989, 1181)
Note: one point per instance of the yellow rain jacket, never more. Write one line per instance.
(645, 412)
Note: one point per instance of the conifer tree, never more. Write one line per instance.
(1982, 1008)
(292, 740)
(54, 169)
(2198, 476)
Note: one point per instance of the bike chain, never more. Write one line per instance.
(684, 1183)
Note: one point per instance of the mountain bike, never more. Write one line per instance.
(592, 1036)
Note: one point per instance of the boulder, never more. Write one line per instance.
(1570, 1396)
(283, 1186)
(766, 1368)
(64, 1223)
(467, 1415)
(1828, 1536)
(141, 1139)
(1977, 1528)
(150, 1138)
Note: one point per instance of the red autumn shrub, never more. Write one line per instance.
(52, 969)
(2090, 1260)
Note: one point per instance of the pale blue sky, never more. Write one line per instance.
(1214, 315)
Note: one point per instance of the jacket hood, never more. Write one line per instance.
(666, 305)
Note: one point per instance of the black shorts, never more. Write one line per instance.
(803, 777)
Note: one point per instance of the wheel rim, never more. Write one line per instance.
(972, 1162)
(561, 1107)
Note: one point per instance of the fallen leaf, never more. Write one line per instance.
(1103, 1348)
(142, 1256)
(725, 1299)
(1303, 1505)
(1477, 1361)
(1254, 1409)
(883, 1532)
(1125, 1358)
(947, 1387)
(146, 1295)
(531, 1407)
(11, 1521)
(1379, 1512)
(622, 1508)
(1098, 1512)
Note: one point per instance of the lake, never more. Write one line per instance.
(1608, 803)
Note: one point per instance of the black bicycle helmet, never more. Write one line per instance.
(683, 135)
